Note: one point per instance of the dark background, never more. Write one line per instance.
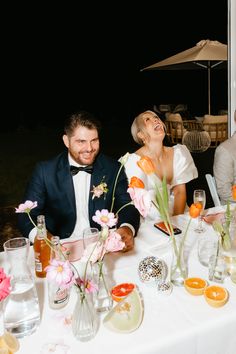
(60, 58)
(57, 58)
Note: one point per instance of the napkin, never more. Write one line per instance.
(212, 214)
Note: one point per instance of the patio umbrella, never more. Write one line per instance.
(206, 54)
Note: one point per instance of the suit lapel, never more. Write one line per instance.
(65, 180)
(98, 175)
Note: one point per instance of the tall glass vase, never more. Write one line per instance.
(85, 318)
(6, 338)
(102, 297)
(179, 266)
(21, 310)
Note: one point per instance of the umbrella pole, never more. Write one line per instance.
(209, 87)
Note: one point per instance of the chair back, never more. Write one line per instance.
(174, 127)
(217, 128)
(212, 187)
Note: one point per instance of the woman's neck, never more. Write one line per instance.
(154, 151)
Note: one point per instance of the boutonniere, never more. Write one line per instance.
(100, 189)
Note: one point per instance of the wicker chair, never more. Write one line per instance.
(217, 128)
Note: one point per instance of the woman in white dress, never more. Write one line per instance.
(174, 162)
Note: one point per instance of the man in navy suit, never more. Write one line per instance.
(65, 196)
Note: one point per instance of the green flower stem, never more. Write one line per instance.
(48, 242)
(86, 267)
(178, 263)
(101, 275)
(123, 206)
(113, 192)
(162, 205)
(28, 212)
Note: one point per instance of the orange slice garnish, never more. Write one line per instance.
(216, 296)
(120, 291)
(195, 286)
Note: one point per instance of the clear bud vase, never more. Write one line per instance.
(179, 266)
(102, 297)
(85, 317)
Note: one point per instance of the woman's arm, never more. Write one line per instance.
(180, 198)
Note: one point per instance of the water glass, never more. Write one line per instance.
(90, 235)
(217, 268)
(206, 248)
(199, 196)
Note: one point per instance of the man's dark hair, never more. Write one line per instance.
(81, 118)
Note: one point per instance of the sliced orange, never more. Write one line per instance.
(120, 291)
(216, 296)
(127, 315)
(195, 286)
(10, 342)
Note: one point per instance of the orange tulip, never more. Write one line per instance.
(198, 205)
(194, 210)
(234, 192)
(146, 165)
(136, 182)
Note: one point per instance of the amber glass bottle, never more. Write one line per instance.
(42, 251)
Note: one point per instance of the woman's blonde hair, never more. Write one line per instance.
(136, 127)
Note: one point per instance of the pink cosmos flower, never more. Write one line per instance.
(105, 218)
(60, 272)
(89, 286)
(141, 199)
(5, 285)
(26, 207)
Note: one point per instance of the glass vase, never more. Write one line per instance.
(102, 297)
(228, 249)
(7, 339)
(21, 310)
(179, 266)
(85, 317)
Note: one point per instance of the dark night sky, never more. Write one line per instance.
(64, 58)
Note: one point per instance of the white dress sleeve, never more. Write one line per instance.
(132, 169)
(184, 169)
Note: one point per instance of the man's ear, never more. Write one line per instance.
(65, 140)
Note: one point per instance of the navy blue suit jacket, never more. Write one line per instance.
(51, 185)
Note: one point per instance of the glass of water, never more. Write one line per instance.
(199, 196)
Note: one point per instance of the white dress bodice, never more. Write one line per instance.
(184, 170)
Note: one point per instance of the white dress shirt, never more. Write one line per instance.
(81, 183)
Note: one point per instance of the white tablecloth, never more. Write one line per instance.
(176, 324)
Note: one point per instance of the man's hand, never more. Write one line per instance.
(127, 237)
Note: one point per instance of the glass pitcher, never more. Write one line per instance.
(21, 310)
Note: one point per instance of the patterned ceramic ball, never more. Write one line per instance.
(152, 269)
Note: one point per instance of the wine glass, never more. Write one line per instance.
(90, 235)
(199, 196)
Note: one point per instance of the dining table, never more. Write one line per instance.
(172, 323)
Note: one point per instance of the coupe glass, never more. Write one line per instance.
(199, 196)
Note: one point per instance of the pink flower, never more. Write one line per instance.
(26, 207)
(89, 286)
(60, 272)
(105, 218)
(141, 199)
(113, 242)
(5, 285)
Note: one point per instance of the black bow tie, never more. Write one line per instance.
(74, 170)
